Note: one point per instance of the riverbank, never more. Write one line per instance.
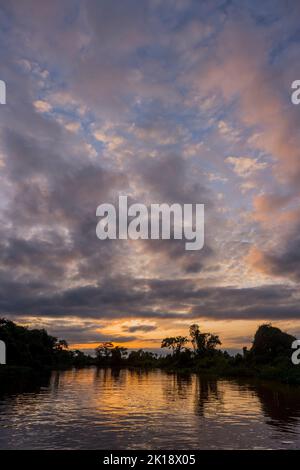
(33, 354)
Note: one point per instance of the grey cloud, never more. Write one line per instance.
(144, 328)
(117, 298)
(286, 262)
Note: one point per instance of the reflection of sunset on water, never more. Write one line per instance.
(111, 408)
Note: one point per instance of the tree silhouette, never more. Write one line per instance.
(203, 342)
(269, 343)
(118, 354)
(103, 351)
(175, 343)
(34, 348)
(194, 334)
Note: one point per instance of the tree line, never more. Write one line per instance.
(268, 357)
(36, 348)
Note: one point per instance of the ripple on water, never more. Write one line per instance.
(98, 409)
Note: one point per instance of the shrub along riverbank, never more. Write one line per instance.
(33, 353)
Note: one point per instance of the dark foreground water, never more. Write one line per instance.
(110, 409)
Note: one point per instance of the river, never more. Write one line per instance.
(122, 409)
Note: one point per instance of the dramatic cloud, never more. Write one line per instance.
(167, 102)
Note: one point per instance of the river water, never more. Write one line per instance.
(123, 409)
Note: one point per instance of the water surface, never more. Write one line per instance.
(123, 409)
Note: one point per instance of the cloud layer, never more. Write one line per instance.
(165, 101)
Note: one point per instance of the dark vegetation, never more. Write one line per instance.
(33, 352)
(37, 349)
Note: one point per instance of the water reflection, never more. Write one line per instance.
(178, 386)
(207, 392)
(104, 408)
(281, 404)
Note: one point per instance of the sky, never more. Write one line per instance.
(165, 101)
